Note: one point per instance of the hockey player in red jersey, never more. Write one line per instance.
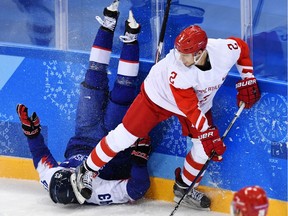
(125, 178)
(183, 84)
(250, 201)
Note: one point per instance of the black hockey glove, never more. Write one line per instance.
(30, 125)
(141, 150)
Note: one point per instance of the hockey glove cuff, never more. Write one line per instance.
(141, 150)
(211, 141)
(248, 92)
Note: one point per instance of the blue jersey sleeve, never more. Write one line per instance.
(74, 161)
(40, 152)
(139, 182)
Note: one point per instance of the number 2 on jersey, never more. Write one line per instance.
(172, 77)
(232, 46)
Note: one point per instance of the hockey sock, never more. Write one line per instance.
(129, 60)
(102, 47)
(130, 52)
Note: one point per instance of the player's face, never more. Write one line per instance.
(187, 59)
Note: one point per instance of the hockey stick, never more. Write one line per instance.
(209, 159)
(162, 32)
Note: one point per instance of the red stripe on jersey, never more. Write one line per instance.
(247, 71)
(106, 148)
(44, 160)
(187, 102)
(193, 163)
(194, 118)
(101, 48)
(190, 177)
(201, 124)
(95, 159)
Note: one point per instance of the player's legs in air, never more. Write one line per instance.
(125, 82)
(94, 90)
(122, 95)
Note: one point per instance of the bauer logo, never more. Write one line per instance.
(205, 135)
(246, 83)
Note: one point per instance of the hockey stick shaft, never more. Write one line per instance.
(237, 114)
(162, 32)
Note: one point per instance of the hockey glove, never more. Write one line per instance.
(211, 141)
(141, 150)
(248, 92)
(30, 125)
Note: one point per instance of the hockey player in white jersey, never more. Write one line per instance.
(125, 178)
(183, 84)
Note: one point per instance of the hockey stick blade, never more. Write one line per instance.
(162, 32)
(78, 195)
(237, 114)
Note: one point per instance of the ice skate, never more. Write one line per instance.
(81, 182)
(132, 29)
(111, 15)
(195, 199)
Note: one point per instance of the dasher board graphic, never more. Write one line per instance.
(8, 65)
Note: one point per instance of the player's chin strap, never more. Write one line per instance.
(209, 159)
(78, 195)
(197, 60)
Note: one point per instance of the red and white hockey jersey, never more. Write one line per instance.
(174, 87)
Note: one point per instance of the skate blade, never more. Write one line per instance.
(78, 195)
(190, 204)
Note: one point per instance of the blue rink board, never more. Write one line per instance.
(47, 81)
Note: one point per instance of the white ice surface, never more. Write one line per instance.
(28, 198)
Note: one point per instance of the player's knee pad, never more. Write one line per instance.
(120, 138)
(96, 79)
(123, 94)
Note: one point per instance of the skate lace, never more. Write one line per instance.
(196, 195)
(128, 37)
(108, 22)
(87, 179)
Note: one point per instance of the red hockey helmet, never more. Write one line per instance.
(250, 201)
(191, 40)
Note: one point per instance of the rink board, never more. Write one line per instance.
(47, 81)
(161, 189)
